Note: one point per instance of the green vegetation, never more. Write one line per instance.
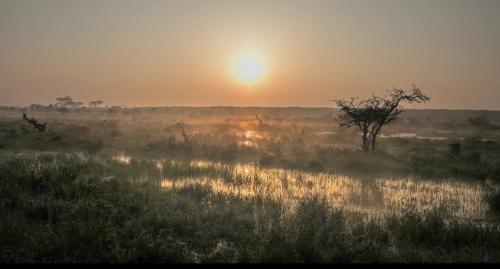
(59, 208)
(125, 187)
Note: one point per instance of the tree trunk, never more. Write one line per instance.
(366, 144)
(374, 135)
(374, 138)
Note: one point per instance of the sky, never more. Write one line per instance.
(177, 53)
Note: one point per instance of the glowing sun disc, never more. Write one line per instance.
(248, 67)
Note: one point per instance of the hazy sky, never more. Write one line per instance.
(179, 52)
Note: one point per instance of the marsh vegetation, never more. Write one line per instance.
(228, 184)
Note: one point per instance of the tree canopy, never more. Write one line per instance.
(370, 115)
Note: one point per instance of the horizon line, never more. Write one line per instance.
(230, 106)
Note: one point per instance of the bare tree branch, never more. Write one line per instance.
(372, 114)
(37, 126)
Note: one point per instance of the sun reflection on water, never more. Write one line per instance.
(371, 197)
(122, 158)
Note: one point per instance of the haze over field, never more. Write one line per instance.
(249, 131)
(140, 53)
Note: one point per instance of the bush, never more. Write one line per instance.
(59, 214)
(494, 201)
(58, 208)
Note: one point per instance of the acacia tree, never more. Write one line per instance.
(372, 114)
(67, 102)
(95, 103)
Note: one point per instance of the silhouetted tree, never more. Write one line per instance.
(372, 114)
(114, 109)
(37, 106)
(37, 126)
(96, 103)
(67, 102)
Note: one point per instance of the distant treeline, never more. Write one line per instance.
(480, 118)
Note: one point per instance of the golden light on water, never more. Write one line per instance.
(248, 67)
(372, 198)
(122, 158)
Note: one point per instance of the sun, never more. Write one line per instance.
(248, 67)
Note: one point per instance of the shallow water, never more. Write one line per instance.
(371, 197)
(122, 158)
(413, 135)
(249, 138)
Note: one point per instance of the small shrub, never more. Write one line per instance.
(454, 150)
(494, 201)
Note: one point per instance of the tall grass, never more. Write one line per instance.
(77, 208)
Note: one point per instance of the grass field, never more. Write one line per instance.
(219, 185)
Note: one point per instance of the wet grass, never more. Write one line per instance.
(125, 187)
(82, 208)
